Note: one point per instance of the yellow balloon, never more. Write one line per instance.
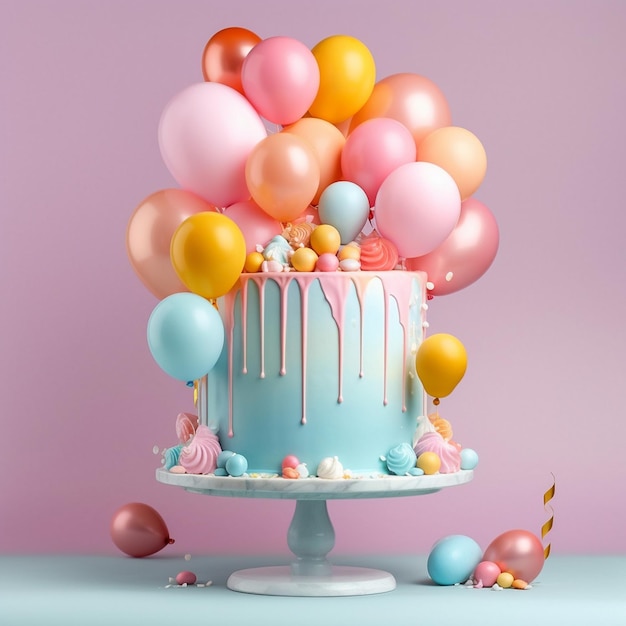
(441, 362)
(208, 252)
(347, 78)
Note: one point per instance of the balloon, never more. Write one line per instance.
(283, 175)
(408, 98)
(465, 255)
(460, 153)
(453, 559)
(224, 55)
(138, 530)
(255, 224)
(149, 233)
(345, 206)
(185, 336)
(417, 207)
(206, 133)
(347, 77)
(441, 362)
(518, 552)
(208, 251)
(280, 77)
(327, 142)
(374, 150)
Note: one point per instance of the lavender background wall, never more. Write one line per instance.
(82, 403)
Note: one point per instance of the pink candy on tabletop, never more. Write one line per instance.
(186, 578)
(447, 452)
(486, 573)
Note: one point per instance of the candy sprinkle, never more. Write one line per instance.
(449, 276)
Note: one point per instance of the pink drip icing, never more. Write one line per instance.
(336, 292)
(283, 283)
(361, 281)
(229, 328)
(244, 327)
(397, 288)
(304, 282)
(261, 285)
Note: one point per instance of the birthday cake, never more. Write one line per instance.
(295, 267)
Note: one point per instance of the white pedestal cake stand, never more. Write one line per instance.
(311, 535)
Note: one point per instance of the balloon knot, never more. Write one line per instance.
(436, 401)
(170, 541)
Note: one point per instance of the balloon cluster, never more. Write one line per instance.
(277, 131)
(513, 559)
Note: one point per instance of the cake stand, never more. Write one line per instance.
(311, 535)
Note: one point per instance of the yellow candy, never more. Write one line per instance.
(429, 462)
(253, 262)
(325, 238)
(304, 260)
(349, 251)
(505, 580)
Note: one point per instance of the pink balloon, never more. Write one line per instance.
(417, 207)
(149, 234)
(138, 530)
(206, 133)
(255, 224)
(518, 552)
(465, 255)
(280, 77)
(373, 150)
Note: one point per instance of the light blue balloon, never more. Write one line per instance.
(185, 336)
(453, 559)
(345, 206)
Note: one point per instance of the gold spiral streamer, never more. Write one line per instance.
(547, 527)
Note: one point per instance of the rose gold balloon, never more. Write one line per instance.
(138, 530)
(409, 98)
(518, 552)
(149, 234)
(465, 255)
(224, 55)
(327, 142)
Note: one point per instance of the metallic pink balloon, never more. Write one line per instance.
(465, 255)
(138, 530)
(518, 552)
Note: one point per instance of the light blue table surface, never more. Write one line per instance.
(118, 590)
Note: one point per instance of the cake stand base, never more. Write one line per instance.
(311, 535)
(341, 581)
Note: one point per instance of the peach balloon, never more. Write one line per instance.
(283, 175)
(224, 54)
(460, 153)
(327, 142)
(149, 234)
(412, 99)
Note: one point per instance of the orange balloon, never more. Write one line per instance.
(149, 234)
(283, 175)
(409, 98)
(224, 55)
(327, 142)
(460, 153)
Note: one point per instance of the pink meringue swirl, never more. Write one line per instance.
(199, 456)
(377, 253)
(447, 452)
(186, 424)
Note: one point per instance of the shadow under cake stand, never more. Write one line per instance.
(311, 535)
